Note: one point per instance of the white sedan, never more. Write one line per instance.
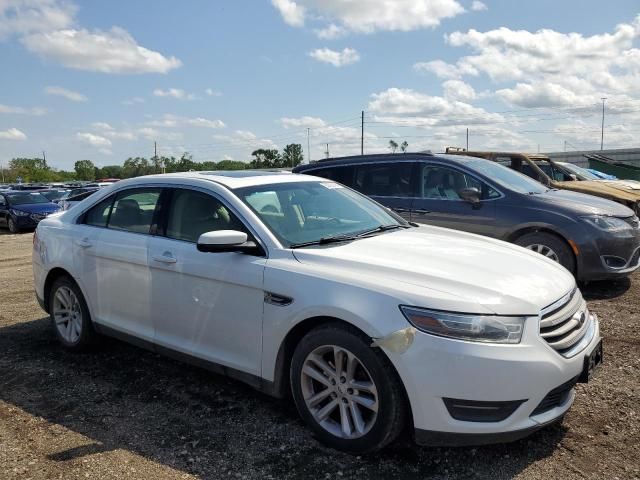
(293, 283)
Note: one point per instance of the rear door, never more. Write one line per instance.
(440, 204)
(111, 252)
(390, 183)
(4, 211)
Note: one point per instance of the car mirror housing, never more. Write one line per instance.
(471, 195)
(226, 241)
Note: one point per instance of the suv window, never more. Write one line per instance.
(385, 179)
(342, 175)
(444, 183)
(98, 216)
(133, 210)
(192, 213)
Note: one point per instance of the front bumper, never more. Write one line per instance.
(29, 221)
(434, 368)
(604, 256)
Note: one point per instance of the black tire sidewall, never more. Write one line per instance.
(15, 228)
(87, 333)
(557, 244)
(391, 417)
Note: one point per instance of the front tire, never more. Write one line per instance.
(13, 226)
(346, 391)
(550, 246)
(70, 315)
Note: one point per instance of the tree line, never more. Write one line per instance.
(37, 170)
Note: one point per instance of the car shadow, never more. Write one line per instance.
(122, 397)
(605, 289)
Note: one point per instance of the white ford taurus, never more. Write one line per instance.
(296, 284)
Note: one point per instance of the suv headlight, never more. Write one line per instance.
(608, 224)
(19, 213)
(462, 326)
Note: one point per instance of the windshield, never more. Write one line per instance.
(54, 194)
(505, 177)
(26, 198)
(303, 212)
(581, 173)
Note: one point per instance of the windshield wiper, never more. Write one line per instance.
(382, 228)
(325, 241)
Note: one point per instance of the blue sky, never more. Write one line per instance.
(103, 80)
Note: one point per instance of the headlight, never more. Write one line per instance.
(20, 213)
(476, 328)
(608, 224)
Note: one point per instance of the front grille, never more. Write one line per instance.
(563, 326)
(556, 397)
(38, 216)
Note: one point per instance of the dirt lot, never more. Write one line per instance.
(127, 413)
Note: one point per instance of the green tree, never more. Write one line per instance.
(31, 170)
(231, 165)
(403, 146)
(292, 155)
(393, 146)
(265, 158)
(110, 171)
(85, 170)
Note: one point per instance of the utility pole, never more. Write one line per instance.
(361, 134)
(604, 99)
(327, 152)
(44, 157)
(308, 147)
(565, 145)
(2, 170)
(467, 139)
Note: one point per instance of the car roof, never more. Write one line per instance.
(231, 179)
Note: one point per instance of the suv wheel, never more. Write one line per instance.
(551, 246)
(70, 315)
(346, 391)
(13, 227)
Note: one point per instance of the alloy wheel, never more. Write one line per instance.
(339, 392)
(544, 250)
(67, 314)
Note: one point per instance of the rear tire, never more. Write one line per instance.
(551, 246)
(13, 227)
(70, 315)
(348, 393)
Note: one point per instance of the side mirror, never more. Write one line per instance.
(471, 195)
(572, 176)
(227, 241)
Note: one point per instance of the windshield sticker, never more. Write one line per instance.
(332, 186)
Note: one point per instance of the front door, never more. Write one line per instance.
(440, 204)
(208, 305)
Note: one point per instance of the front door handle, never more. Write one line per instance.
(165, 258)
(422, 212)
(400, 210)
(84, 243)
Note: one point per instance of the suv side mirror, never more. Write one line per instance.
(227, 241)
(471, 195)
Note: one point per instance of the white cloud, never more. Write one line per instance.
(133, 101)
(102, 126)
(442, 69)
(12, 134)
(173, 121)
(114, 51)
(459, 90)
(68, 94)
(205, 122)
(36, 111)
(93, 140)
(302, 122)
(292, 13)
(18, 17)
(177, 93)
(154, 134)
(106, 130)
(478, 6)
(338, 59)
(367, 16)
(213, 93)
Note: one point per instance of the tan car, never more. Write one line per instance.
(564, 176)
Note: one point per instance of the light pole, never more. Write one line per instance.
(604, 99)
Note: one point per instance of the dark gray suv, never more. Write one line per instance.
(592, 237)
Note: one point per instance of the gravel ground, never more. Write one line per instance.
(126, 413)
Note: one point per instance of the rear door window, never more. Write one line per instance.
(342, 175)
(98, 216)
(385, 179)
(133, 210)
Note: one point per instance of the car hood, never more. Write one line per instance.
(45, 208)
(582, 203)
(617, 190)
(445, 269)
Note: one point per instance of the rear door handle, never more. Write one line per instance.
(84, 243)
(400, 210)
(421, 212)
(164, 258)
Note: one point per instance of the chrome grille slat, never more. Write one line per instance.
(563, 326)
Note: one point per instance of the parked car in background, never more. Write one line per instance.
(54, 194)
(23, 210)
(552, 174)
(296, 284)
(29, 186)
(600, 174)
(71, 200)
(591, 237)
